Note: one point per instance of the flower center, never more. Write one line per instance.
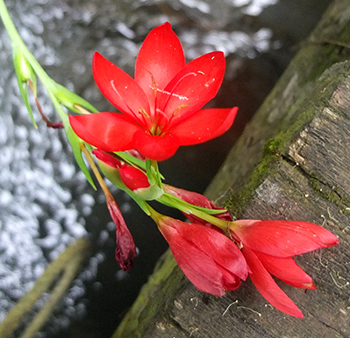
(158, 120)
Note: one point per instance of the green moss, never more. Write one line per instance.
(331, 55)
(329, 194)
(272, 146)
(237, 203)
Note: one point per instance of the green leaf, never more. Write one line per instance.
(69, 99)
(74, 140)
(153, 192)
(153, 174)
(130, 159)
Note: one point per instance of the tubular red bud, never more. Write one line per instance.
(211, 261)
(133, 178)
(126, 250)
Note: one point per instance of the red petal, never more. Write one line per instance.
(160, 58)
(107, 158)
(119, 88)
(283, 238)
(209, 259)
(133, 178)
(286, 270)
(201, 269)
(267, 286)
(105, 131)
(204, 125)
(196, 84)
(157, 148)
(222, 249)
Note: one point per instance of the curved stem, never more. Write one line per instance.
(96, 172)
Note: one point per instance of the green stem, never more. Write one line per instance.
(188, 209)
(153, 174)
(17, 42)
(51, 86)
(9, 26)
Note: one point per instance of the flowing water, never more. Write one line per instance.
(45, 200)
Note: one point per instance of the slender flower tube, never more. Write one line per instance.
(160, 108)
(268, 247)
(211, 261)
(126, 250)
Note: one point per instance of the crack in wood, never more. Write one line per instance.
(311, 177)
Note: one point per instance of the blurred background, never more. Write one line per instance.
(45, 200)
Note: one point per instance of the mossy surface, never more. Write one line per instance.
(159, 290)
(236, 203)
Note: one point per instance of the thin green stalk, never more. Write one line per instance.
(188, 209)
(9, 26)
(17, 42)
(154, 176)
(51, 86)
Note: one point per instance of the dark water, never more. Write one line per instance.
(45, 201)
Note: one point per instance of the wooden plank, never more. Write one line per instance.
(292, 162)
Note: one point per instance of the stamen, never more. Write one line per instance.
(81, 109)
(144, 113)
(154, 85)
(178, 82)
(162, 122)
(179, 108)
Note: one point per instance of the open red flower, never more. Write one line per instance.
(268, 247)
(160, 108)
(211, 261)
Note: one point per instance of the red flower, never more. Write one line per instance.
(160, 107)
(211, 261)
(268, 247)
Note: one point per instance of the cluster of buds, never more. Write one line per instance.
(215, 252)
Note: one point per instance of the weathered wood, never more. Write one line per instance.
(292, 162)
